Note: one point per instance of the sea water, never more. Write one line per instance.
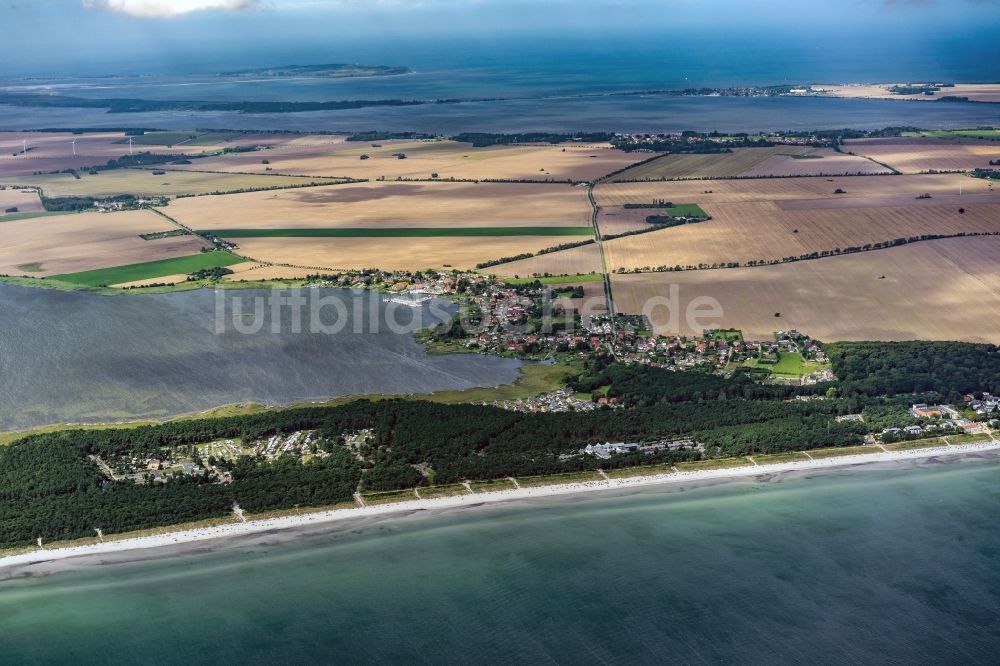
(860, 565)
(558, 83)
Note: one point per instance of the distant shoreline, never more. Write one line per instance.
(22, 564)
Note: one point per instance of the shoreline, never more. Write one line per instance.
(192, 538)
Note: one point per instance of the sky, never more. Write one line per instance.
(46, 36)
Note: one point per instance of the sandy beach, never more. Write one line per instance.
(183, 540)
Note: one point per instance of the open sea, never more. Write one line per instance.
(853, 566)
(559, 83)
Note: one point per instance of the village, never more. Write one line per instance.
(536, 321)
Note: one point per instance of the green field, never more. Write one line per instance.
(727, 334)
(11, 217)
(686, 210)
(102, 277)
(399, 232)
(558, 279)
(788, 365)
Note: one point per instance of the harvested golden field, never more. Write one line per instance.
(614, 220)
(922, 155)
(978, 92)
(84, 241)
(757, 219)
(25, 201)
(332, 156)
(767, 161)
(53, 151)
(574, 261)
(391, 205)
(390, 253)
(937, 290)
(765, 231)
(251, 271)
(720, 165)
(146, 182)
(820, 162)
(886, 189)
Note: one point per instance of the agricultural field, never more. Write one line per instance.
(252, 271)
(163, 270)
(977, 92)
(867, 191)
(53, 151)
(820, 162)
(200, 139)
(751, 162)
(401, 232)
(912, 155)
(741, 233)
(559, 281)
(416, 253)
(25, 201)
(393, 225)
(958, 134)
(935, 290)
(71, 243)
(573, 261)
(332, 156)
(157, 182)
(771, 219)
(368, 205)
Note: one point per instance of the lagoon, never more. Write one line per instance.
(82, 357)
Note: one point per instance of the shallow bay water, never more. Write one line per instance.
(71, 356)
(858, 565)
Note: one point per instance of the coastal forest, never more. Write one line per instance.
(53, 486)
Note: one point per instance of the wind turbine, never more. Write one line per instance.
(24, 147)
(74, 147)
(130, 145)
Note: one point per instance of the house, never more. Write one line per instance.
(923, 410)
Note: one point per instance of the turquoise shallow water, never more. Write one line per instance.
(852, 566)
